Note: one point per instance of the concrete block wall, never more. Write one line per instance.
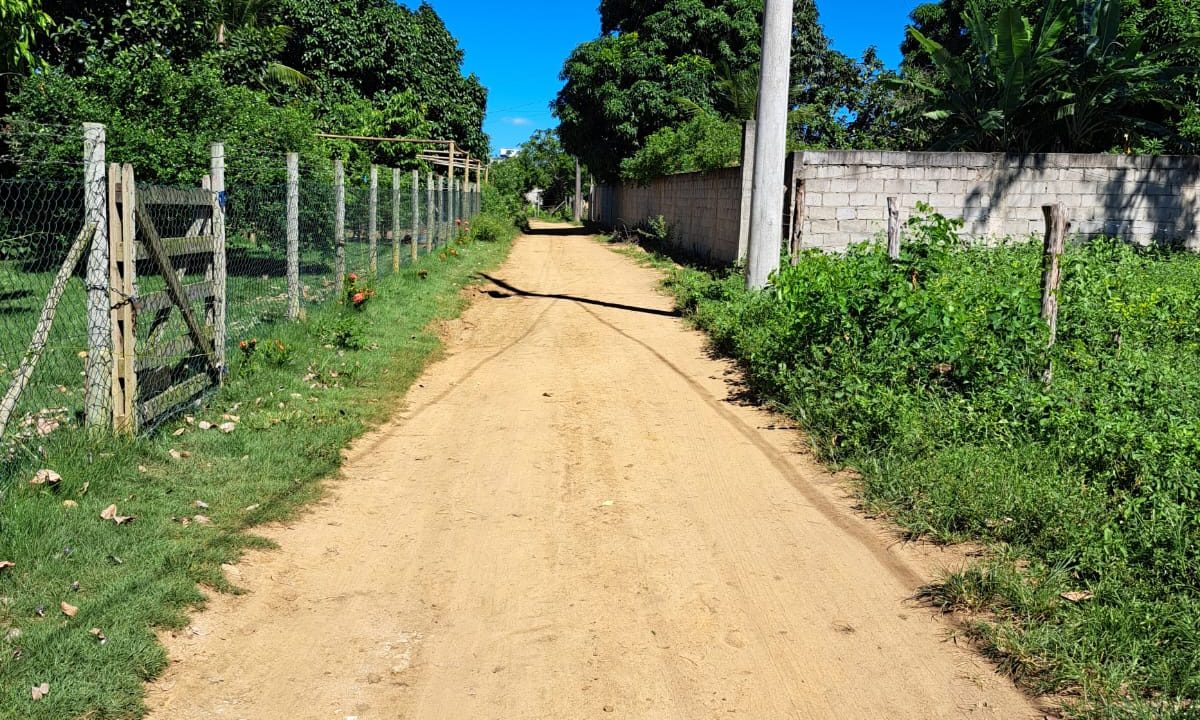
(702, 210)
(1139, 198)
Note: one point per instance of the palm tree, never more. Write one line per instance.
(259, 18)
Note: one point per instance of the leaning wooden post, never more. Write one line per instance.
(293, 235)
(893, 246)
(339, 227)
(416, 213)
(97, 392)
(41, 333)
(373, 222)
(431, 213)
(1052, 250)
(395, 220)
(217, 171)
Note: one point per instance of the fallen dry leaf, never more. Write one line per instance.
(228, 427)
(231, 418)
(1077, 595)
(110, 513)
(249, 508)
(175, 455)
(6, 564)
(40, 691)
(185, 454)
(45, 426)
(201, 504)
(70, 504)
(68, 609)
(189, 420)
(202, 520)
(46, 477)
(142, 468)
(204, 425)
(98, 634)
(179, 432)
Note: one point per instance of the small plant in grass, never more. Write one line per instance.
(343, 330)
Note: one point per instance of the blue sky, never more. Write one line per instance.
(518, 48)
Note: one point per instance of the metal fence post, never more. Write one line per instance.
(98, 367)
(373, 222)
(293, 235)
(416, 212)
(217, 171)
(339, 227)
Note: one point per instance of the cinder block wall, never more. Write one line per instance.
(1139, 198)
(702, 210)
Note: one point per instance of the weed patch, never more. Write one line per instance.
(925, 374)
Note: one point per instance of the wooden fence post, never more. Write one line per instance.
(395, 220)
(217, 171)
(122, 289)
(431, 213)
(293, 235)
(97, 391)
(893, 237)
(339, 227)
(373, 222)
(416, 213)
(1052, 250)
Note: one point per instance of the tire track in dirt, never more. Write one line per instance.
(570, 520)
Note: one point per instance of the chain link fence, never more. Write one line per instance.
(44, 376)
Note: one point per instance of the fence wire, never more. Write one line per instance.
(40, 219)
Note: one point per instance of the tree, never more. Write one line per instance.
(20, 23)
(1021, 86)
(660, 63)
(1161, 114)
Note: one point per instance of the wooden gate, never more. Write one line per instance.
(166, 288)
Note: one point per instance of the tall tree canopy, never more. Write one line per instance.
(658, 65)
(168, 76)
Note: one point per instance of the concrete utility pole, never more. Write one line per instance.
(578, 192)
(770, 145)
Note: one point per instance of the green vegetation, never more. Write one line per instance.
(926, 376)
(296, 397)
(169, 77)
(540, 163)
(993, 75)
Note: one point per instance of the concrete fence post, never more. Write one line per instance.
(97, 391)
(293, 235)
(416, 213)
(339, 227)
(216, 171)
(396, 220)
(431, 213)
(373, 222)
(748, 132)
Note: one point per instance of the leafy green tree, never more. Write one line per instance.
(20, 23)
(1158, 114)
(705, 142)
(1020, 86)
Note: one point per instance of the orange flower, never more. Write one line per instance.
(353, 277)
(358, 298)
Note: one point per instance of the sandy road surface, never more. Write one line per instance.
(570, 519)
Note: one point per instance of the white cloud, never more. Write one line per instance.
(518, 121)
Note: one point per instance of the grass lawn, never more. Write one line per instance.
(297, 403)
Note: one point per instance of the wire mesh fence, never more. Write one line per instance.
(384, 231)
(39, 220)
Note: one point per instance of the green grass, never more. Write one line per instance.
(298, 409)
(926, 376)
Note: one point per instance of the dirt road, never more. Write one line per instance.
(573, 518)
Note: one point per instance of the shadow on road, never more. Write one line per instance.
(573, 298)
(560, 230)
